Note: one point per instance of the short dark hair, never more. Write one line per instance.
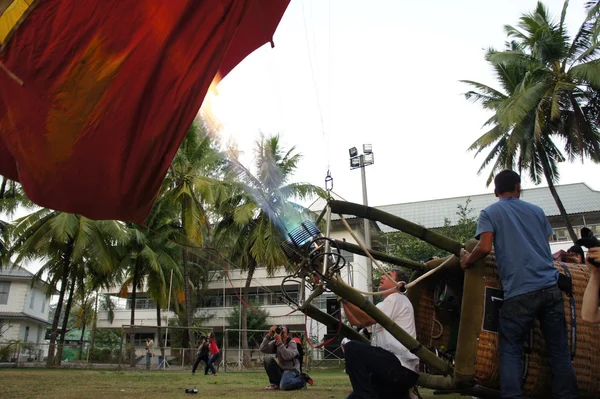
(506, 181)
(401, 275)
(576, 249)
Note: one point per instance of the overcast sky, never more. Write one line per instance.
(385, 73)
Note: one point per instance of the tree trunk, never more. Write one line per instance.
(187, 284)
(559, 204)
(159, 330)
(244, 312)
(132, 357)
(189, 311)
(3, 187)
(63, 332)
(81, 339)
(56, 319)
(94, 326)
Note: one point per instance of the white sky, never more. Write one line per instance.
(387, 73)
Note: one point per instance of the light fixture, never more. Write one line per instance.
(355, 162)
(353, 152)
(367, 148)
(369, 158)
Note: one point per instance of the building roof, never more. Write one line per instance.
(577, 198)
(14, 271)
(22, 315)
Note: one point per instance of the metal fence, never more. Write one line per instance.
(115, 349)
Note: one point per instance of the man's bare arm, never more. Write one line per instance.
(356, 316)
(590, 311)
(481, 250)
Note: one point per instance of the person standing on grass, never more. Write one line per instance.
(202, 353)
(149, 352)
(215, 354)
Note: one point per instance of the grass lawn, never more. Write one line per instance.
(77, 384)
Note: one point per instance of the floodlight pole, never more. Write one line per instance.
(362, 163)
(366, 223)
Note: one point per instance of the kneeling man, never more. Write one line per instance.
(385, 369)
(283, 369)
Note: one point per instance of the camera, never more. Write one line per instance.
(278, 330)
(589, 240)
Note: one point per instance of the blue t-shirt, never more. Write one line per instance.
(523, 256)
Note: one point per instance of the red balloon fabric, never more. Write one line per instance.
(95, 100)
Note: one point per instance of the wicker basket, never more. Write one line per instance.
(486, 373)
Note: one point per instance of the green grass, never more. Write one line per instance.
(94, 384)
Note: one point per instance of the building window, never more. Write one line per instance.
(26, 338)
(39, 335)
(32, 300)
(142, 303)
(4, 290)
(43, 305)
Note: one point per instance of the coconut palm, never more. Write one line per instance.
(550, 92)
(259, 212)
(12, 197)
(147, 258)
(191, 185)
(72, 247)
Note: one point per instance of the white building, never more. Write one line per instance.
(24, 310)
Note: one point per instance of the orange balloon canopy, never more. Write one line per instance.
(95, 100)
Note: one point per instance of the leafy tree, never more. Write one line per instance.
(259, 212)
(73, 247)
(191, 186)
(256, 320)
(549, 93)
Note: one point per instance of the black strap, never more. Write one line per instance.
(573, 314)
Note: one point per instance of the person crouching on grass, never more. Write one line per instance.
(283, 369)
(215, 354)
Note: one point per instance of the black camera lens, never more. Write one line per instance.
(277, 330)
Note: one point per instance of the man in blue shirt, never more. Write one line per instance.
(520, 232)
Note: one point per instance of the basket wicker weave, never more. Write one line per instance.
(538, 376)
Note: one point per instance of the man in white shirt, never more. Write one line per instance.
(385, 369)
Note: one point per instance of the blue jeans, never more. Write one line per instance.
(516, 320)
(288, 380)
(210, 365)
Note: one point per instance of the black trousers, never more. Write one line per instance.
(198, 359)
(376, 373)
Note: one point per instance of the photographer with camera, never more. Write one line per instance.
(283, 369)
(590, 311)
(202, 353)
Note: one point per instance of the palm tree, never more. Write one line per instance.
(12, 198)
(72, 246)
(190, 185)
(550, 90)
(256, 215)
(147, 257)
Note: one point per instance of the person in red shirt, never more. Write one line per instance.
(215, 354)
